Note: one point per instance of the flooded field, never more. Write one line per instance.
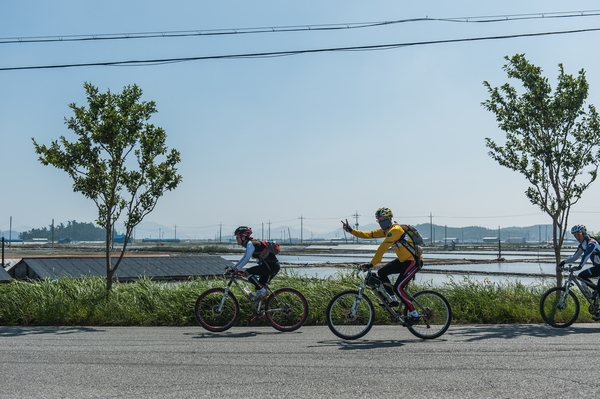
(526, 267)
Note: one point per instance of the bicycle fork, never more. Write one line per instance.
(219, 308)
(562, 301)
(354, 308)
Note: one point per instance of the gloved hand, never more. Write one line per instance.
(365, 266)
(346, 226)
(561, 264)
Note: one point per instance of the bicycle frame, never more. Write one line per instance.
(233, 280)
(396, 315)
(572, 280)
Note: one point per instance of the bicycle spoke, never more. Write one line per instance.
(435, 313)
(559, 308)
(286, 309)
(215, 311)
(348, 317)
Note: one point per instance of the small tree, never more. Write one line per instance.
(550, 139)
(113, 127)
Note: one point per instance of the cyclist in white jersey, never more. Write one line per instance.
(588, 249)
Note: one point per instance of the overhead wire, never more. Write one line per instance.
(294, 52)
(293, 28)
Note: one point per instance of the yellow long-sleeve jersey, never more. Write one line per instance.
(391, 235)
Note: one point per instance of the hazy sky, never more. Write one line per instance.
(320, 135)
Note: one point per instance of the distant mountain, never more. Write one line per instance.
(536, 233)
(436, 233)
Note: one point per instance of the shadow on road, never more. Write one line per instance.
(20, 331)
(360, 344)
(510, 331)
(233, 334)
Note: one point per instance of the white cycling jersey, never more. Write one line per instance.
(588, 249)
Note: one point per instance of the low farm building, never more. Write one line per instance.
(159, 268)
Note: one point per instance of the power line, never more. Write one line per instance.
(151, 62)
(293, 28)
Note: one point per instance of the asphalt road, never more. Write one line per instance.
(475, 361)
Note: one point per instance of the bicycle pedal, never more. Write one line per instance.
(411, 321)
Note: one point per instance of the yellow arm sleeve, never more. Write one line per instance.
(392, 235)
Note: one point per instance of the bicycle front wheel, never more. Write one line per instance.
(558, 308)
(349, 317)
(435, 313)
(216, 311)
(286, 309)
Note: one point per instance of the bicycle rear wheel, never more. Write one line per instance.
(559, 309)
(435, 313)
(349, 317)
(286, 309)
(215, 311)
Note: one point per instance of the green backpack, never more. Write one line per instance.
(412, 240)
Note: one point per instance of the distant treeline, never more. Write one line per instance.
(73, 231)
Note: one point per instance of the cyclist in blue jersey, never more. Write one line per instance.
(588, 249)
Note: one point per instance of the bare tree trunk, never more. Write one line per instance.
(109, 269)
(557, 241)
(559, 275)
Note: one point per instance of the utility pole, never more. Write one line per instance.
(356, 215)
(499, 245)
(269, 230)
(445, 235)
(430, 228)
(301, 228)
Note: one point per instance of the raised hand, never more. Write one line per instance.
(346, 226)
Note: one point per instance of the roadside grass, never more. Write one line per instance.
(147, 303)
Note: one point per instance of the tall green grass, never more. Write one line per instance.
(148, 303)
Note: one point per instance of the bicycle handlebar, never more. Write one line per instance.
(569, 268)
(234, 273)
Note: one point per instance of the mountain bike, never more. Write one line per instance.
(217, 309)
(559, 306)
(350, 314)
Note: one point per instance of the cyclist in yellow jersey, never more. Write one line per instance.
(406, 265)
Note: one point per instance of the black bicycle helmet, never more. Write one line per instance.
(243, 231)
